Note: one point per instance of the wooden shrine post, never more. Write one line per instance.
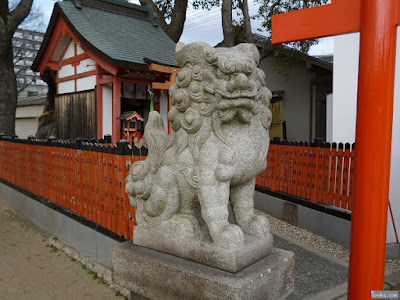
(166, 85)
(376, 20)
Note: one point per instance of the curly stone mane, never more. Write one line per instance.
(205, 88)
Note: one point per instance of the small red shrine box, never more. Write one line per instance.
(130, 125)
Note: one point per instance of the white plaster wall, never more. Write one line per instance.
(79, 50)
(32, 111)
(65, 71)
(86, 65)
(329, 118)
(26, 127)
(394, 189)
(107, 109)
(66, 87)
(85, 83)
(70, 51)
(164, 108)
(296, 101)
(345, 77)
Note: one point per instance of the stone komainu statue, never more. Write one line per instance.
(218, 144)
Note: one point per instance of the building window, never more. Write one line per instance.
(32, 93)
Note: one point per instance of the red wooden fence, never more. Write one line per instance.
(319, 172)
(89, 179)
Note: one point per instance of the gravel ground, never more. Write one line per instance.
(317, 242)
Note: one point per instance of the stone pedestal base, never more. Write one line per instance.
(204, 251)
(158, 275)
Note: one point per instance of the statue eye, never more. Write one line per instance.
(249, 66)
(221, 75)
(227, 65)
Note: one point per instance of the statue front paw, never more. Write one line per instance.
(256, 225)
(228, 237)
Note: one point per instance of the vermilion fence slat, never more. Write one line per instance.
(351, 184)
(332, 175)
(346, 177)
(339, 172)
(90, 181)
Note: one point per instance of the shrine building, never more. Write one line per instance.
(108, 58)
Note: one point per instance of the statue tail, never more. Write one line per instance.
(139, 182)
(156, 138)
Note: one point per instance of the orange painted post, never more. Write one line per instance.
(376, 20)
(351, 184)
(374, 119)
(116, 110)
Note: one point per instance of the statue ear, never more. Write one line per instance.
(179, 46)
(193, 52)
(250, 48)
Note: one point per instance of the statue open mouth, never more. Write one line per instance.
(245, 103)
(249, 94)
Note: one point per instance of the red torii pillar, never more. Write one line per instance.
(376, 20)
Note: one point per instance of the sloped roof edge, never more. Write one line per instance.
(58, 12)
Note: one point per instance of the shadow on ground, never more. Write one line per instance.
(312, 273)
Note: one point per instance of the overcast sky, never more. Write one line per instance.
(206, 25)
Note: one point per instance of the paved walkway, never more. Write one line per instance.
(30, 269)
(314, 271)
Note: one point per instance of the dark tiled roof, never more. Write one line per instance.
(260, 40)
(121, 33)
(326, 57)
(33, 100)
(127, 114)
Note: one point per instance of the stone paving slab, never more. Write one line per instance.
(313, 272)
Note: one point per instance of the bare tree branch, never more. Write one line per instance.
(227, 26)
(160, 15)
(178, 17)
(247, 24)
(19, 14)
